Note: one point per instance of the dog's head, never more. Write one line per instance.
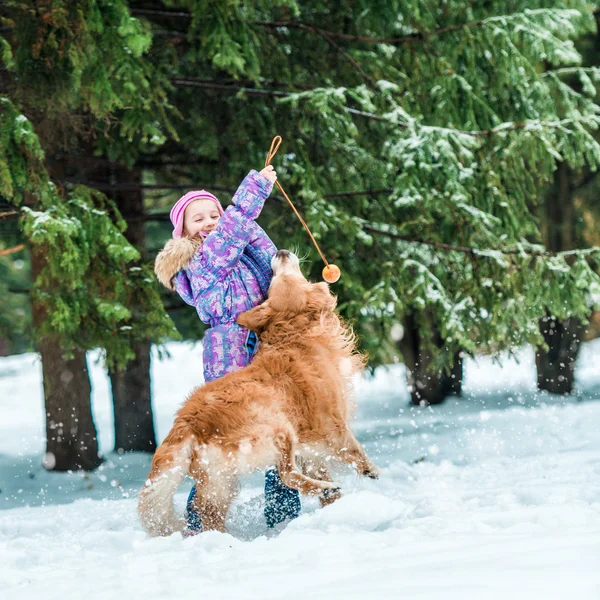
(290, 295)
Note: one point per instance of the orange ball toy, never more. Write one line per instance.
(331, 273)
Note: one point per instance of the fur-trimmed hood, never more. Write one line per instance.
(173, 258)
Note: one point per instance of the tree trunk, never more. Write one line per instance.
(132, 402)
(556, 367)
(134, 425)
(452, 382)
(71, 439)
(426, 386)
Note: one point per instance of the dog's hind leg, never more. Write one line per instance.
(215, 491)
(169, 467)
(291, 475)
(354, 454)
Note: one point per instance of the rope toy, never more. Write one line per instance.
(331, 273)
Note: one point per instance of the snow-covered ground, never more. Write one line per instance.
(496, 495)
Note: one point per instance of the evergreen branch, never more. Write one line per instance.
(227, 86)
(368, 115)
(180, 186)
(146, 160)
(417, 36)
(170, 34)
(359, 193)
(314, 29)
(570, 71)
(251, 82)
(475, 252)
(232, 89)
(508, 126)
(147, 12)
(478, 252)
(503, 127)
(325, 35)
(139, 186)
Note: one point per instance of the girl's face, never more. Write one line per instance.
(200, 217)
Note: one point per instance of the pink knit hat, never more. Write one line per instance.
(178, 211)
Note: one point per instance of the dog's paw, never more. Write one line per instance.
(329, 497)
(329, 493)
(372, 472)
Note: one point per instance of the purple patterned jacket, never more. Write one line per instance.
(229, 274)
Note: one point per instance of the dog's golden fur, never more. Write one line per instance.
(294, 400)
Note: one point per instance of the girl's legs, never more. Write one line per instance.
(192, 516)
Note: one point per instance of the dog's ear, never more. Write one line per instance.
(320, 298)
(256, 318)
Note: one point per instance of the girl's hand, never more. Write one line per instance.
(269, 173)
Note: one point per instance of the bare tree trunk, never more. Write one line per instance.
(426, 386)
(71, 439)
(132, 402)
(452, 382)
(556, 367)
(134, 425)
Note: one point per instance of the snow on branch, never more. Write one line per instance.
(494, 253)
(557, 17)
(392, 116)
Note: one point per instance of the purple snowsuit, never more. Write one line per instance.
(229, 274)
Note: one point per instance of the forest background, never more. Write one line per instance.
(444, 154)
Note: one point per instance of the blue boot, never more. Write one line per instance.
(281, 502)
(194, 521)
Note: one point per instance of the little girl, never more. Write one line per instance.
(220, 262)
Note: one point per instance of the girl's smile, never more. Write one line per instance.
(200, 217)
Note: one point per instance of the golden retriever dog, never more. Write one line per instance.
(291, 406)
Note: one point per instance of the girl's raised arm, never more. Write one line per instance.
(223, 247)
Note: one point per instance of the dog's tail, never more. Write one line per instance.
(170, 465)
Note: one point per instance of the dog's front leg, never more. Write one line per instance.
(292, 476)
(317, 470)
(354, 454)
(331, 496)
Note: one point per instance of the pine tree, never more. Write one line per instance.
(68, 67)
(564, 227)
(417, 140)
